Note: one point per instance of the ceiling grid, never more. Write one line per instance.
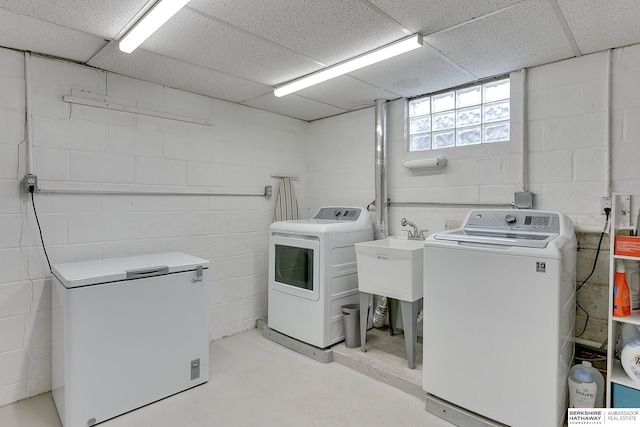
(240, 50)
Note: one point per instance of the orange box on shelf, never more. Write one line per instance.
(627, 245)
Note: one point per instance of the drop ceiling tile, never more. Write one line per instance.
(414, 73)
(99, 17)
(328, 31)
(346, 92)
(238, 50)
(26, 33)
(600, 25)
(525, 35)
(155, 68)
(194, 38)
(294, 106)
(435, 15)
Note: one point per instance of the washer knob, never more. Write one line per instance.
(337, 212)
(510, 219)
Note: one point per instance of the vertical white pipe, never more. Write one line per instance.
(608, 142)
(381, 228)
(27, 113)
(524, 129)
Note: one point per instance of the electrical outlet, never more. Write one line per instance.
(605, 203)
(30, 183)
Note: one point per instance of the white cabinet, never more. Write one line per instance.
(623, 217)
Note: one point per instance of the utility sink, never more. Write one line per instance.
(391, 267)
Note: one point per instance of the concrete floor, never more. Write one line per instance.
(254, 381)
(385, 360)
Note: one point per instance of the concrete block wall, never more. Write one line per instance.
(567, 108)
(81, 147)
(87, 148)
(593, 297)
(341, 161)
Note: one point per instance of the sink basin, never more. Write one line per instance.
(391, 267)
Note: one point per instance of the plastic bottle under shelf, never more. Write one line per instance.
(582, 388)
(621, 296)
(599, 379)
(630, 360)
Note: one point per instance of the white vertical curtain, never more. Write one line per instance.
(286, 202)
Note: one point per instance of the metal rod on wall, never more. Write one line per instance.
(448, 204)
(27, 102)
(266, 193)
(133, 110)
(285, 176)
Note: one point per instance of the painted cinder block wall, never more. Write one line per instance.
(567, 110)
(85, 147)
(334, 158)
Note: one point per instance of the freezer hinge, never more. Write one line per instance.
(198, 278)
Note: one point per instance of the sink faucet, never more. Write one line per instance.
(412, 234)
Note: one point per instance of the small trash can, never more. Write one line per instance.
(351, 321)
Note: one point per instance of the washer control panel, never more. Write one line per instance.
(338, 213)
(522, 220)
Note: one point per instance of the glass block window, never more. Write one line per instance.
(477, 114)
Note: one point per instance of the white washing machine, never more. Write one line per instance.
(127, 332)
(312, 273)
(499, 313)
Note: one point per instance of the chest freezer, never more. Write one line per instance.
(127, 332)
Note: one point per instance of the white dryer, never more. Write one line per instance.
(499, 313)
(312, 273)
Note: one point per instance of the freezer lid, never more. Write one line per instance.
(94, 272)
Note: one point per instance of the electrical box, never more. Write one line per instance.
(523, 200)
(30, 183)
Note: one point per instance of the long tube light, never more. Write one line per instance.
(161, 13)
(405, 45)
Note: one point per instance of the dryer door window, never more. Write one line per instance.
(294, 266)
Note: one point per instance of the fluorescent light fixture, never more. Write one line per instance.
(161, 13)
(386, 52)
